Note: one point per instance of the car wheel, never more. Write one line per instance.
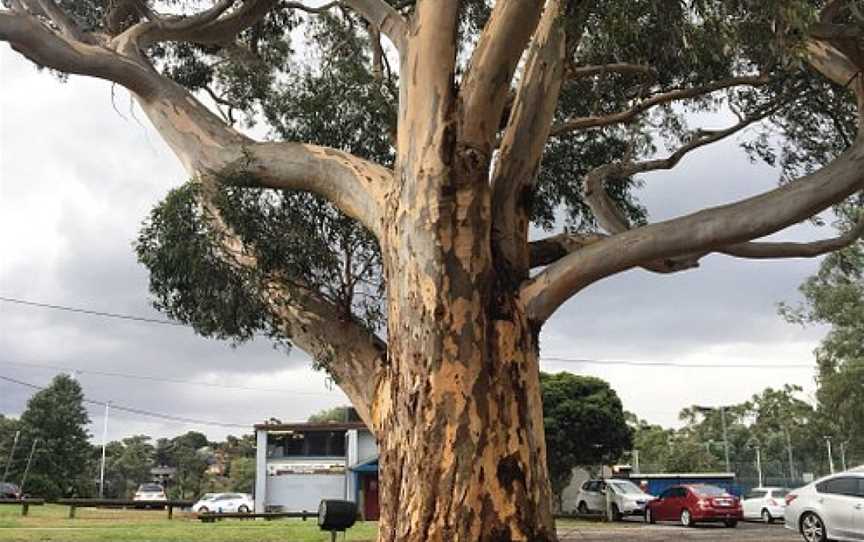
(766, 516)
(812, 528)
(731, 523)
(203, 510)
(582, 508)
(649, 516)
(243, 509)
(686, 518)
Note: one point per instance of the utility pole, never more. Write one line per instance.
(755, 444)
(706, 409)
(759, 463)
(830, 457)
(29, 461)
(789, 451)
(843, 454)
(725, 438)
(104, 442)
(11, 454)
(635, 455)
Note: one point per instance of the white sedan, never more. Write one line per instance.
(831, 508)
(765, 503)
(224, 503)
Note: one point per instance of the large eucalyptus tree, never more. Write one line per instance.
(383, 226)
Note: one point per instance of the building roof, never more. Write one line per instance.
(307, 427)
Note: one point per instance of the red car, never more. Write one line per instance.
(690, 504)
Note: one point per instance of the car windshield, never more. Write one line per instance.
(208, 496)
(626, 487)
(710, 491)
(150, 488)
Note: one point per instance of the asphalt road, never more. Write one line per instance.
(636, 532)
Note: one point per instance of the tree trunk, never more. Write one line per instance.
(458, 415)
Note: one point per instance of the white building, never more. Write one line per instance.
(299, 464)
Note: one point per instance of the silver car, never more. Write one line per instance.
(831, 508)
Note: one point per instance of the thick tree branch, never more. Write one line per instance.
(551, 249)
(522, 145)
(608, 215)
(206, 145)
(707, 230)
(355, 356)
(762, 250)
(26, 35)
(426, 88)
(214, 27)
(623, 117)
(385, 18)
(59, 18)
(484, 89)
(208, 27)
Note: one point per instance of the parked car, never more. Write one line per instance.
(627, 498)
(150, 492)
(224, 503)
(765, 503)
(9, 491)
(696, 503)
(831, 508)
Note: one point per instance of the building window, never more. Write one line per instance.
(309, 444)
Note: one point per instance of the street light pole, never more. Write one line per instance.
(843, 455)
(104, 442)
(704, 409)
(725, 438)
(759, 463)
(830, 457)
(789, 450)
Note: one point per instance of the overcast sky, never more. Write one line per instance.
(78, 174)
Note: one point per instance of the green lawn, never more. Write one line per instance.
(50, 523)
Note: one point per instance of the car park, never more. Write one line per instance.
(831, 508)
(224, 503)
(626, 498)
(696, 503)
(150, 492)
(765, 503)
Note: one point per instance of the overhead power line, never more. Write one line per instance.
(149, 378)
(634, 363)
(612, 362)
(90, 312)
(141, 412)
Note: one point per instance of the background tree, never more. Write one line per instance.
(835, 296)
(335, 414)
(57, 418)
(128, 464)
(242, 475)
(580, 405)
(402, 221)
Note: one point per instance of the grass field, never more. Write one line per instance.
(51, 523)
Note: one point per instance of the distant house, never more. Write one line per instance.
(299, 464)
(162, 474)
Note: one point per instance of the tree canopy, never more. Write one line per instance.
(581, 405)
(365, 176)
(56, 419)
